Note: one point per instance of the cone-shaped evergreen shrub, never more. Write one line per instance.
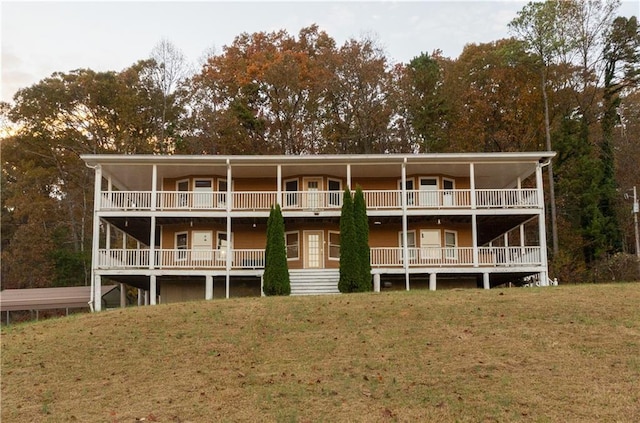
(349, 274)
(363, 254)
(276, 271)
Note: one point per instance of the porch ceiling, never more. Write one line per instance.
(489, 227)
(495, 170)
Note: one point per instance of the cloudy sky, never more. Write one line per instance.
(39, 38)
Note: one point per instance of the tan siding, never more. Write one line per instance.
(255, 184)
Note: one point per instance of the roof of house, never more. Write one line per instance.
(47, 298)
(134, 172)
(93, 159)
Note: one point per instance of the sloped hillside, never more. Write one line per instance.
(569, 353)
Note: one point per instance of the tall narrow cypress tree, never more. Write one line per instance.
(276, 270)
(361, 222)
(348, 256)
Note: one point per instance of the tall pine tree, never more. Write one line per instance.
(361, 223)
(276, 270)
(348, 255)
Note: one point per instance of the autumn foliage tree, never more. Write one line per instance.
(570, 75)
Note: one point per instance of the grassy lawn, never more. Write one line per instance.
(569, 353)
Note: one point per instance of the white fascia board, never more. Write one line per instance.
(147, 159)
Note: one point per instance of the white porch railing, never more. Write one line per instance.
(209, 259)
(123, 259)
(254, 200)
(499, 198)
(319, 200)
(380, 257)
(126, 200)
(455, 256)
(312, 200)
(188, 200)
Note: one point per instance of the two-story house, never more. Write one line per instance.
(194, 227)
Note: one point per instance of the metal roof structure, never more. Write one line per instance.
(47, 298)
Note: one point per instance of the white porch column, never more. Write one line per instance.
(208, 287)
(107, 236)
(485, 281)
(432, 281)
(405, 247)
(542, 230)
(474, 217)
(376, 282)
(97, 293)
(262, 285)
(152, 243)
(349, 176)
(95, 242)
(279, 182)
(123, 295)
(229, 237)
(153, 290)
(472, 185)
(154, 187)
(140, 297)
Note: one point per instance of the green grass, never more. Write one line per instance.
(567, 353)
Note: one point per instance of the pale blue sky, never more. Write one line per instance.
(39, 38)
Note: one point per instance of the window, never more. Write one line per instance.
(183, 198)
(410, 194)
(291, 193)
(221, 246)
(411, 244)
(451, 244)
(334, 245)
(292, 241)
(182, 244)
(222, 193)
(448, 185)
(335, 187)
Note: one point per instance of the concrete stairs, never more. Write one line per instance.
(314, 281)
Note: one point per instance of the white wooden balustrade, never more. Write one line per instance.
(319, 200)
(380, 257)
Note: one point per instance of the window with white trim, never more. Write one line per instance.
(221, 245)
(182, 187)
(409, 186)
(292, 241)
(182, 244)
(335, 188)
(451, 244)
(411, 244)
(448, 196)
(222, 193)
(291, 192)
(334, 245)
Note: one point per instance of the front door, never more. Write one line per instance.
(203, 195)
(428, 191)
(313, 186)
(313, 250)
(202, 244)
(430, 244)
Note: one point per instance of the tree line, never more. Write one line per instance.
(567, 80)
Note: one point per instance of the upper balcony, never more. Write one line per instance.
(316, 201)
